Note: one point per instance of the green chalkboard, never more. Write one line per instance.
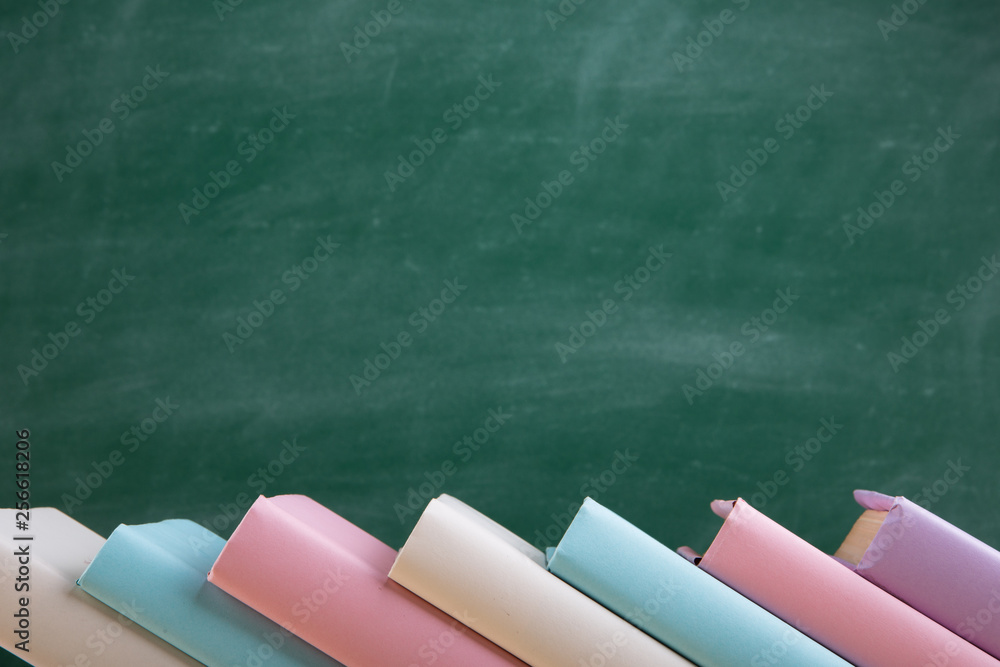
(654, 252)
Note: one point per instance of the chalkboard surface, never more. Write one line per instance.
(656, 253)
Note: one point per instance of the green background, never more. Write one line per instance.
(495, 346)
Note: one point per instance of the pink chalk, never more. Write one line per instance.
(806, 588)
(326, 580)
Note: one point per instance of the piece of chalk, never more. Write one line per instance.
(64, 625)
(673, 600)
(468, 565)
(326, 580)
(156, 574)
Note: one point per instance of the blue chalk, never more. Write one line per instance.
(155, 574)
(672, 600)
